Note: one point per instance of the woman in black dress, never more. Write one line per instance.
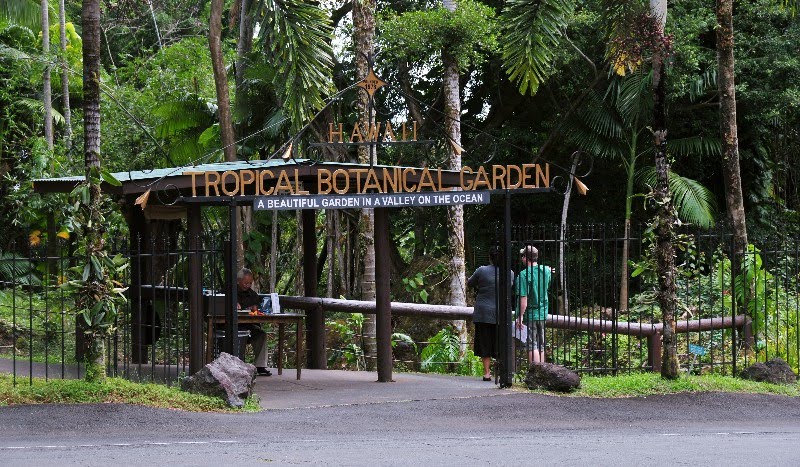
(485, 312)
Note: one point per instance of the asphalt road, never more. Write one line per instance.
(530, 429)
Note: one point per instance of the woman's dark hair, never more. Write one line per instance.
(494, 254)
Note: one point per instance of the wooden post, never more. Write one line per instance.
(137, 226)
(196, 340)
(231, 269)
(505, 349)
(654, 351)
(315, 322)
(383, 308)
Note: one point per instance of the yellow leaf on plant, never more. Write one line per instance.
(35, 238)
(63, 234)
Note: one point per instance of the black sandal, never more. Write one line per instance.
(487, 378)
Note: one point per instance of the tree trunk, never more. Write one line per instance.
(455, 214)
(363, 38)
(730, 139)
(273, 252)
(665, 217)
(223, 104)
(62, 21)
(90, 17)
(244, 45)
(47, 98)
(155, 25)
(626, 242)
(331, 244)
(221, 81)
(562, 233)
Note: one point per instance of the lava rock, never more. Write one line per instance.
(552, 378)
(227, 377)
(775, 371)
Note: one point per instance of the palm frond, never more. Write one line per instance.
(36, 107)
(695, 146)
(16, 270)
(694, 202)
(633, 99)
(296, 37)
(182, 114)
(702, 84)
(532, 31)
(24, 12)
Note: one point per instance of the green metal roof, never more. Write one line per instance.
(135, 175)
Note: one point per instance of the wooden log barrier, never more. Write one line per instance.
(652, 331)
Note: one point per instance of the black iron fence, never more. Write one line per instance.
(734, 308)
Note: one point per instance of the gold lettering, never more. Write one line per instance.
(323, 179)
(404, 131)
(544, 176)
(423, 183)
(225, 175)
(498, 175)
(261, 177)
(465, 170)
(513, 185)
(406, 188)
(331, 133)
(374, 133)
(439, 179)
(356, 133)
(372, 182)
(481, 179)
(415, 130)
(526, 176)
(298, 187)
(358, 173)
(284, 183)
(245, 180)
(193, 174)
(388, 134)
(214, 183)
(390, 180)
(336, 174)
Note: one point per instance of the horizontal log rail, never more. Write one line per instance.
(652, 331)
(554, 321)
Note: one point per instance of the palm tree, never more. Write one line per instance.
(614, 126)
(363, 41)
(89, 297)
(455, 214)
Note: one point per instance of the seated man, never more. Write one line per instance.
(248, 299)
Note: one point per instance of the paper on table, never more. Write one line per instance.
(520, 333)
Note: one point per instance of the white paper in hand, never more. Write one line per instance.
(276, 305)
(520, 334)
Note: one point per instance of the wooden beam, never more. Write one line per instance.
(383, 307)
(196, 341)
(315, 323)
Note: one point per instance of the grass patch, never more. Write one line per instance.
(649, 384)
(112, 390)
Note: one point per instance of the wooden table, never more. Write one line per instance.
(280, 318)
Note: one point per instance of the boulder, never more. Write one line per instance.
(552, 377)
(227, 377)
(775, 371)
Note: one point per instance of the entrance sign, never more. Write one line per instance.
(372, 200)
(365, 180)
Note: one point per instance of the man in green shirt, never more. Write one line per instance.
(531, 288)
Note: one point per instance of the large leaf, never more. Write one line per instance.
(182, 114)
(532, 32)
(694, 202)
(296, 38)
(24, 12)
